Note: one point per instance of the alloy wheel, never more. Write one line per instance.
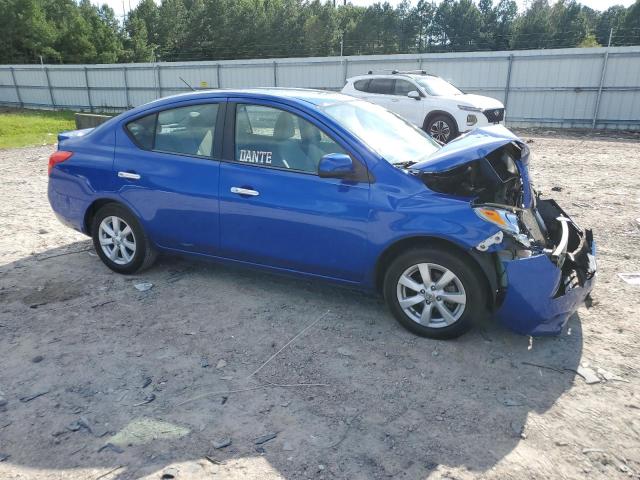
(440, 130)
(431, 295)
(117, 240)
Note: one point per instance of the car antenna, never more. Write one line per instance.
(185, 82)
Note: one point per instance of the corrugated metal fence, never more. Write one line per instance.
(580, 88)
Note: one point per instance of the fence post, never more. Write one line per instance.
(420, 64)
(159, 89)
(46, 73)
(275, 73)
(86, 82)
(507, 86)
(126, 86)
(218, 75)
(346, 70)
(15, 84)
(602, 75)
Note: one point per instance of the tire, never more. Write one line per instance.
(133, 250)
(465, 285)
(441, 123)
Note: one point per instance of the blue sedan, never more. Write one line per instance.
(322, 185)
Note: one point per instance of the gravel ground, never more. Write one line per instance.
(101, 381)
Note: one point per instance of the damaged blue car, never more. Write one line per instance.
(322, 185)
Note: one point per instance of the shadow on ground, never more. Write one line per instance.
(114, 358)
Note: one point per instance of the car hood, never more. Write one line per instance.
(478, 101)
(469, 147)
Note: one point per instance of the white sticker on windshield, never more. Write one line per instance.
(255, 156)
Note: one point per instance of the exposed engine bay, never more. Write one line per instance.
(495, 188)
(491, 179)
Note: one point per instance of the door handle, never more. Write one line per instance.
(129, 175)
(245, 191)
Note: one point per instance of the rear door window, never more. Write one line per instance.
(142, 131)
(403, 87)
(383, 86)
(187, 130)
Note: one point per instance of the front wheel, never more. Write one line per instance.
(120, 241)
(434, 293)
(442, 128)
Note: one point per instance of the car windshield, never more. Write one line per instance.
(395, 139)
(437, 87)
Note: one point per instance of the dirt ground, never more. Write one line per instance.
(101, 381)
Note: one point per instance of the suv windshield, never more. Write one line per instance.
(437, 87)
(395, 139)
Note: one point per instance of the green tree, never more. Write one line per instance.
(459, 23)
(612, 18)
(568, 23)
(533, 28)
(631, 26)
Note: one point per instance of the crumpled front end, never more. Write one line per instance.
(543, 284)
(544, 263)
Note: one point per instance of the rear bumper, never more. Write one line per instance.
(545, 289)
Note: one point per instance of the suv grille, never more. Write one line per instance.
(494, 115)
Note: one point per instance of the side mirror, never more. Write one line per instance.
(335, 165)
(414, 94)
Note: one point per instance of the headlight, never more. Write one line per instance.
(469, 109)
(504, 220)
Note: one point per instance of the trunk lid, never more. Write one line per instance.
(64, 136)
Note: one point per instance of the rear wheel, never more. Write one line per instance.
(120, 241)
(441, 127)
(434, 293)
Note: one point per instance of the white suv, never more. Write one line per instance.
(429, 102)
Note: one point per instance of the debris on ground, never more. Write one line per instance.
(144, 430)
(144, 286)
(222, 443)
(609, 377)
(80, 424)
(588, 374)
(111, 447)
(28, 398)
(148, 399)
(221, 364)
(556, 189)
(345, 352)
(630, 278)
(265, 438)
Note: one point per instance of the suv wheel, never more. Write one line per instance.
(434, 293)
(442, 127)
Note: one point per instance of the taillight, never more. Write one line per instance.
(58, 157)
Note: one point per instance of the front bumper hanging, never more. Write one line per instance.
(545, 289)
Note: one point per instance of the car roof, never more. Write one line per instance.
(296, 95)
(412, 76)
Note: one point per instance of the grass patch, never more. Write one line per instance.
(23, 128)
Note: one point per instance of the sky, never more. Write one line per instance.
(118, 5)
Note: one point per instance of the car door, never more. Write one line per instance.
(167, 172)
(274, 208)
(409, 108)
(380, 92)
